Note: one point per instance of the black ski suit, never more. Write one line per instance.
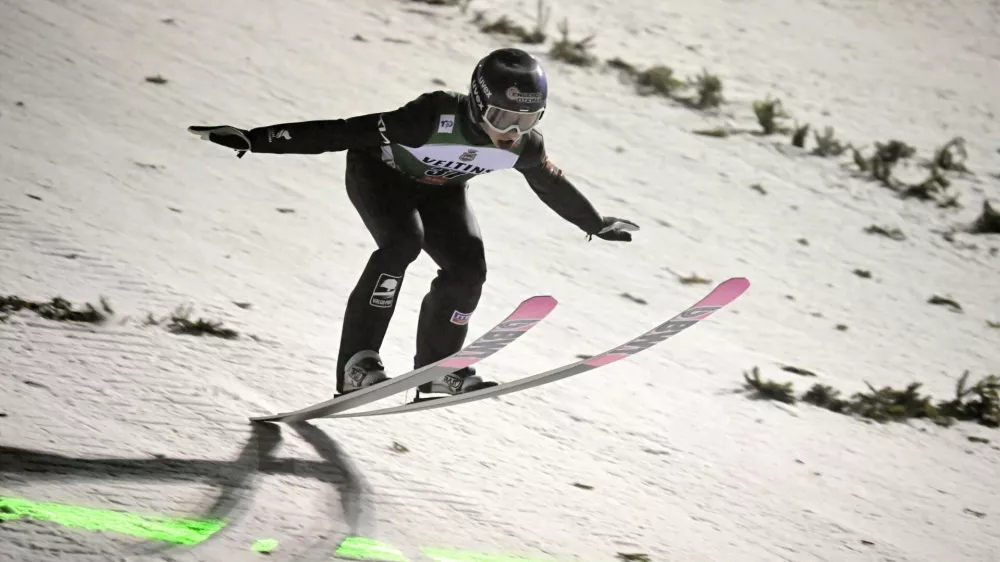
(412, 201)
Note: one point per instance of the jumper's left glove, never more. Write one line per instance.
(229, 137)
(616, 230)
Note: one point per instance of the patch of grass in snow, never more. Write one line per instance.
(890, 404)
(180, 322)
(932, 189)
(885, 157)
(58, 309)
(505, 26)
(717, 132)
(798, 371)
(799, 135)
(892, 233)
(825, 396)
(827, 144)
(630, 70)
(693, 279)
(573, 52)
(769, 114)
(945, 301)
(951, 156)
(633, 557)
(988, 222)
(768, 389)
(708, 91)
(662, 80)
(978, 403)
(659, 80)
(879, 167)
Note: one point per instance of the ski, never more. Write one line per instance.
(723, 294)
(525, 316)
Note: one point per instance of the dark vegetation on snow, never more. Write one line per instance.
(889, 232)
(768, 389)
(505, 26)
(180, 322)
(57, 309)
(880, 165)
(798, 371)
(693, 279)
(715, 133)
(978, 403)
(945, 301)
(988, 222)
(633, 298)
(575, 52)
(769, 114)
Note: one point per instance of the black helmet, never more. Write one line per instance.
(508, 91)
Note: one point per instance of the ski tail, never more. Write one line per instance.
(722, 295)
(527, 315)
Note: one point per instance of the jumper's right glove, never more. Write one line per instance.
(229, 137)
(617, 230)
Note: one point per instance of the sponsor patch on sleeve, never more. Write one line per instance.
(447, 124)
(460, 318)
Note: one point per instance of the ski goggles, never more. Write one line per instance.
(505, 120)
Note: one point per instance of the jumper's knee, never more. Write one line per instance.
(399, 251)
(463, 282)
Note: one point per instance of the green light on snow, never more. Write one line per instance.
(264, 545)
(362, 548)
(193, 531)
(153, 527)
(448, 555)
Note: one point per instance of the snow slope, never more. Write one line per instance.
(102, 192)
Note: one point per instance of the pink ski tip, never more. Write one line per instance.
(534, 308)
(727, 291)
(604, 359)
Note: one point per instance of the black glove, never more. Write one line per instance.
(616, 230)
(229, 137)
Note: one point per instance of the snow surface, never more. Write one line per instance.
(103, 192)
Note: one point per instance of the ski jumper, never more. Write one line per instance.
(407, 173)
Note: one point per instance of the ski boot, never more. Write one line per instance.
(458, 382)
(363, 369)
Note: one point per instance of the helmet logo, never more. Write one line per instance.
(486, 89)
(513, 94)
(469, 155)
